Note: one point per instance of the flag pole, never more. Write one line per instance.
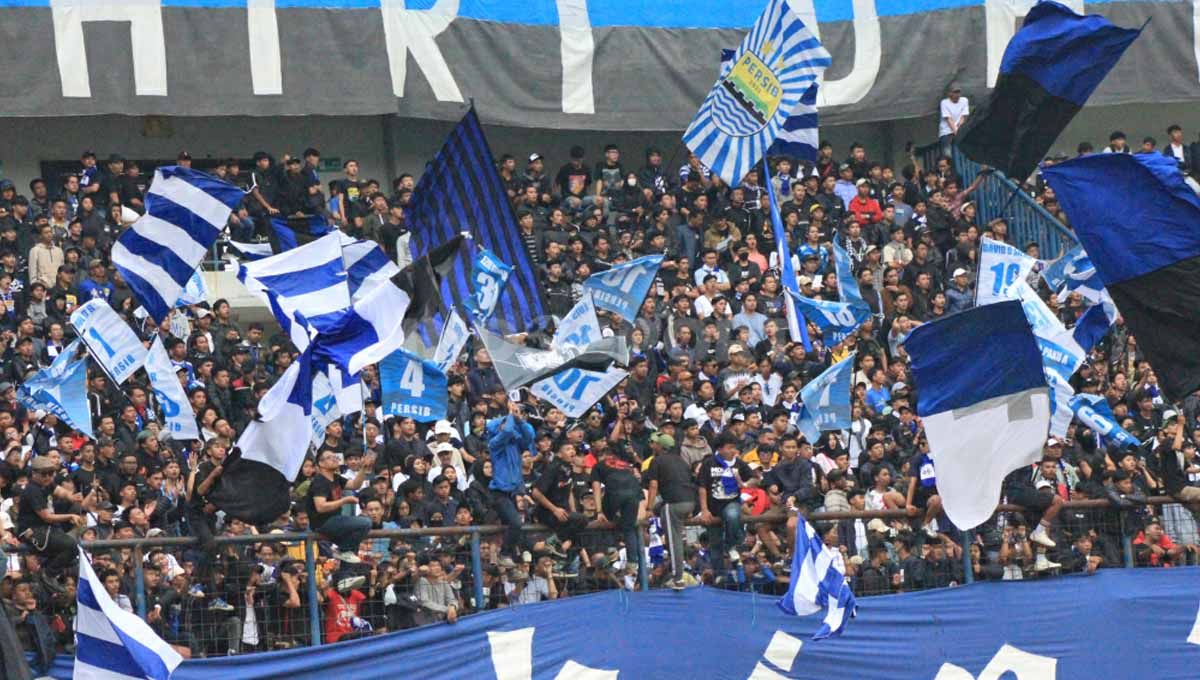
(797, 325)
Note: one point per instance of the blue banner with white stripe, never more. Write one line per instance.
(826, 400)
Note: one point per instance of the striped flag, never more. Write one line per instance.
(366, 265)
(185, 212)
(461, 192)
(799, 137)
(111, 643)
(776, 64)
(818, 582)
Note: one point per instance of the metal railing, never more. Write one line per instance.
(999, 196)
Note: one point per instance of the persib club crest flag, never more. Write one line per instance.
(745, 111)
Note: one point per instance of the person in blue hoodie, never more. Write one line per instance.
(507, 437)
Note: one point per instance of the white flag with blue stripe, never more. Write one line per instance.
(111, 643)
(743, 114)
(799, 137)
(185, 212)
(366, 265)
(818, 582)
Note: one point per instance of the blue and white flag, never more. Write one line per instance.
(1093, 410)
(295, 231)
(1001, 266)
(279, 438)
(306, 288)
(324, 408)
(818, 583)
(1075, 273)
(799, 137)
(489, 274)
(826, 400)
(61, 389)
(576, 390)
(797, 328)
(745, 111)
(111, 643)
(412, 387)
(366, 265)
(985, 411)
(846, 281)
(455, 334)
(249, 252)
(195, 292)
(185, 212)
(110, 340)
(1061, 355)
(837, 320)
(622, 288)
(1091, 328)
(178, 417)
(579, 328)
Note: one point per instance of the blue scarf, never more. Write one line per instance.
(729, 482)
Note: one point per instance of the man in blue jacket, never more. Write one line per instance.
(507, 437)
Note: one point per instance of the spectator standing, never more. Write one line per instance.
(953, 112)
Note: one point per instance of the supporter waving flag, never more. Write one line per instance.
(818, 582)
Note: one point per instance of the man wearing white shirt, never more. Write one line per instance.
(953, 111)
(710, 268)
(1175, 148)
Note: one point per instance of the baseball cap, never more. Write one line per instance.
(1053, 442)
(815, 207)
(443, 447)
(843, 166)
(535, 157)
(737, 416)
(664, 440)
(183, 156)
(960, 272)
(861, 182)
(735, 348)
(443, 427)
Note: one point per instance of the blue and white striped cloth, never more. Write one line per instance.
(366, 265)
(800, 137)
(818, 582)
(111, 643)
(185, 212)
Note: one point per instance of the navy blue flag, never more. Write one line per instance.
(461, 192)
(1050, 68)
(1137, 219)
(291, 232)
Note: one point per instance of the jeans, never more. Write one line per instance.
(346, 531)
(56, 548)
(946, 145)
(722, 539)
(673, 516)
(621, 508)
(510, 517)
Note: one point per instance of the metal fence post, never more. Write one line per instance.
(968, 567)
(1126, 543)
(643, 574)
(477, 572)
(314, 607)
(139, 585)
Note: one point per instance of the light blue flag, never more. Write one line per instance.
(412, 387)
(837, 320)
(817, 583)
(1093, 410)
(847, 282)
(109, 339)
(1075, 273)
(488, 276)
(455, 334)
(797, 328)
(622, 288)
(745, 111)
(178, 416)
(60, 389)
(196, 291)
(826, 400)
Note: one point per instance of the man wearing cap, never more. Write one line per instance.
(39, 526)
(953, 112)
(845, 187)
(959, 296)
(863, 206)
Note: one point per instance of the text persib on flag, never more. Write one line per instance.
(985, 412)
(799, 137)
(622, 288)
(1153, 271)
(412, 387)
(110, 340)
(745, 111)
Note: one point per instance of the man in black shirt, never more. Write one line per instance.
(37, 523)
(617, 491)
(201, 513)
(722, 476)
(325, 501)
(670, 476)
(556, 504)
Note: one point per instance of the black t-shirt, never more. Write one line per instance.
(616, 474)
(330, 490)
(573, 181)
(130, 188)
(34, 499)
(711, 477)
(674, 478)
(202, 472)
(555, 483)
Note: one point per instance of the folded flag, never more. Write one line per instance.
(1061, 355)
(576, 390)
(185, 212)
(254, 485)
(1136, 217)
(178, 416)
(745, 111)
(623, 288)
(826, 400)
(460, 191)
(818, 582)
(110, 340)
(297, 230)
(797, 327)
(519, 366)
(1050, 68)
(985, 411)
(1093, 410)
(111, 643)
(799, 136)
(488, 276)
(847, 283)
(60, 389)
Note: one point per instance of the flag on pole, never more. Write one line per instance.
(622, 288)
(110, 340)
(111, 643)
(1093, 410)
(799, 137)
(797, 327)
(488, 275)
(985, 411)
(185, 212)
(745, 111)
(1050, 68)
(178, 416)
(818, 583)
(61, 389)
(826, 400)
(1136, 217)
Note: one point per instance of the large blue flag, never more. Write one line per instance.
(461, 191)
(745, 111)
(60, 389)
(1136, 217)
(985, 412)
(826, 400)
(623, 288)
(817, 583)
(799, 137)
(836, 320)
(1093, 410)
(1050, 68)
(489, 274)
(847, 282)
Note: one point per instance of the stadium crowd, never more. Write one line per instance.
(703, 429)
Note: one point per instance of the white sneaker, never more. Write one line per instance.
(734, 556)
(931, 531)
(349, 557)
(1040, 537)
(1043, 563)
